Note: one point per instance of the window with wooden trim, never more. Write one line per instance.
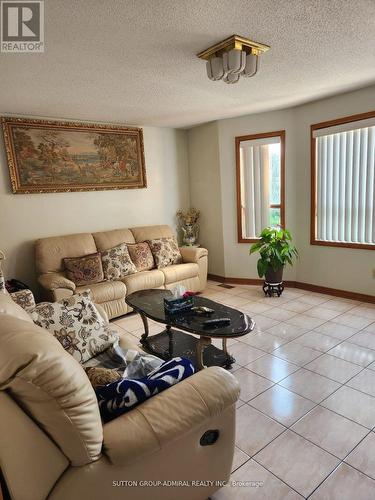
(260, 171)
(343, 182)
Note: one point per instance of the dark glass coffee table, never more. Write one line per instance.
(173, 342)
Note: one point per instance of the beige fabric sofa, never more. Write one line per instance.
(192, 273)
(53, 443)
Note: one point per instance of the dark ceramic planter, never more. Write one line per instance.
(274, 276)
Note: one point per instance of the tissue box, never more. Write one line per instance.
(179, 305)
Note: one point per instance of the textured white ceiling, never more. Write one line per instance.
(134, 61)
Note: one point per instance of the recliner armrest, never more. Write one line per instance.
(169, 415)
(193, 254)
(52, 281)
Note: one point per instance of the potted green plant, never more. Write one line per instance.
(276, 250)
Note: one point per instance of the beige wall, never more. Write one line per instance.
(340, 268)
(205, 191)
(201, 161)
(238, 263)
(24, 218)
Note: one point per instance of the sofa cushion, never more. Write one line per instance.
(180, 272)
(141, 255)
(165, 252)
(76, 324)
(84, 270)
(50, 252)
(143, 280)
(10, 308)
(110, 239)
(117, 262)
(144, 233)
(105, 291)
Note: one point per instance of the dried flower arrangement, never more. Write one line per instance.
(189, 217)
(189, 225)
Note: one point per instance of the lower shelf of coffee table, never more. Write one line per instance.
(173, 343)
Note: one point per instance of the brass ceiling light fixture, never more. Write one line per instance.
(233, 57)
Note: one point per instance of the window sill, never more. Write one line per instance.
(248, 240)
(362, 246)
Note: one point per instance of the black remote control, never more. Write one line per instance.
(216, 322)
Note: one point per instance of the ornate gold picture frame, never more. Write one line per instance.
(46, 156)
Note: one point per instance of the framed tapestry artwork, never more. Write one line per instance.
(55, 156)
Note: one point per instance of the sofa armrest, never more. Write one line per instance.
(52, 281)
(102, 313)
(169, 415)
(193, 254)
(198, 256)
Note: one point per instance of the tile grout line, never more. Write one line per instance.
(303, 437)
(252, 457)
(299, 368)
(341, 463)
(316, 405)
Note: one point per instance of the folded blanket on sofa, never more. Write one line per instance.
(121, 396)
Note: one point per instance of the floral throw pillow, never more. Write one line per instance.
(25, 299)
(76, 324)
(165, 252)
(84, 270)
(141, 255)
(117, 262)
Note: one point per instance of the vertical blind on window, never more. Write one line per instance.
(345, 183)
(255, 195)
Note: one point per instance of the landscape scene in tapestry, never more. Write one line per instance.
(49, 157)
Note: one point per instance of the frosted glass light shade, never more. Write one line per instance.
(231, 78)
(234, 61)
(215, 69)
(252, 65)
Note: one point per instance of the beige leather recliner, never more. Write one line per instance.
(53, 443)
(50, 252)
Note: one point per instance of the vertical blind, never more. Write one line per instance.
(255, 195)
(345, 184)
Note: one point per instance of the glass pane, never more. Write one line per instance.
(260, 185)
(274, 178)
(275, 217)
(345, 168)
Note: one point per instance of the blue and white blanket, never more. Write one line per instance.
(121, 396)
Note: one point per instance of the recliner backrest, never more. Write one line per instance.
(144, 233)
(109, 239)
(50, 252)
(50, 385)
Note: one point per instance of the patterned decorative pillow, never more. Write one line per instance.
(84, 270)
(76, 324)
(2, 283)
(165, 252)
(141, 255)
(117, 262)
(25, 299)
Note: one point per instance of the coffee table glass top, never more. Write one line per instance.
(151, 304)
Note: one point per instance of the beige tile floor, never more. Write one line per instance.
(306, 413)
